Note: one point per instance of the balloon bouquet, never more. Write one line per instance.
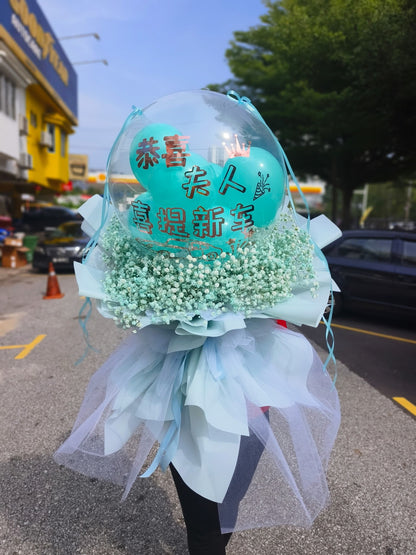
(196, 247)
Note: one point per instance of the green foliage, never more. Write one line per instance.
(336, 81)
(389, 200)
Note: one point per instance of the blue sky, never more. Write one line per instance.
(153, 48)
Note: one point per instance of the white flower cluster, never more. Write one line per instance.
(162, 287)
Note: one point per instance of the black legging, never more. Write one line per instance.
(201, 519)
(201, 515)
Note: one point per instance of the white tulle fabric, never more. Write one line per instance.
(263, 468)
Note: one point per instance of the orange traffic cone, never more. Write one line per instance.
(53, 291)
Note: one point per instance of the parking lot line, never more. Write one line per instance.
(359, 330)
(25, 348)
(406, 404)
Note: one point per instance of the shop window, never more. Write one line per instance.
(63, 143)
(51, 131)
(33, 119)
(7, 97)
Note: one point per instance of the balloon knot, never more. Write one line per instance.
(240, 99)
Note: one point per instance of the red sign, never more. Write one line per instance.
(66, 187)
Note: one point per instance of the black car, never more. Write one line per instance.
(375, 270)
(40, 218)
(62, 247)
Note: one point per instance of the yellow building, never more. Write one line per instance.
(38, 102)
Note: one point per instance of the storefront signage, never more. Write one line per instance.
(78, 167)
(26, 24)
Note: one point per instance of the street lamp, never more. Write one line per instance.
(95, 35)
(91, 62)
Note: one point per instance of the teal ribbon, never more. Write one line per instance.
(83, 317)
(210, 348)
(86, 309)
(134, 113)
(246, 103)
(169, 443)
(106, 196)
(329, 335)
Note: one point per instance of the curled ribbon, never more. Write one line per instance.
(329, 335)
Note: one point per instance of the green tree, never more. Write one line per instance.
(336, 81)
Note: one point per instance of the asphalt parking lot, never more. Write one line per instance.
(49, 510)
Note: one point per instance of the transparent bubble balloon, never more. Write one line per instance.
(195, 173)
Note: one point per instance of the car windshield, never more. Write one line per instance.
(69, 229)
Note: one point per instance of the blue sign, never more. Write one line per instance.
(27, 26)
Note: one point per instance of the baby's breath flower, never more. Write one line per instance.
(164, 287)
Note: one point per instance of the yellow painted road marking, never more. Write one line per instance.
(394, 337)
(400, 400)
(25, 348)
(406, 404)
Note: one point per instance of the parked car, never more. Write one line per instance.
(375, 270)
(40, 218)
(62, 247)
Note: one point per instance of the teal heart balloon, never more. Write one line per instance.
(182, 209)
(253, 186)
(193, 206)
